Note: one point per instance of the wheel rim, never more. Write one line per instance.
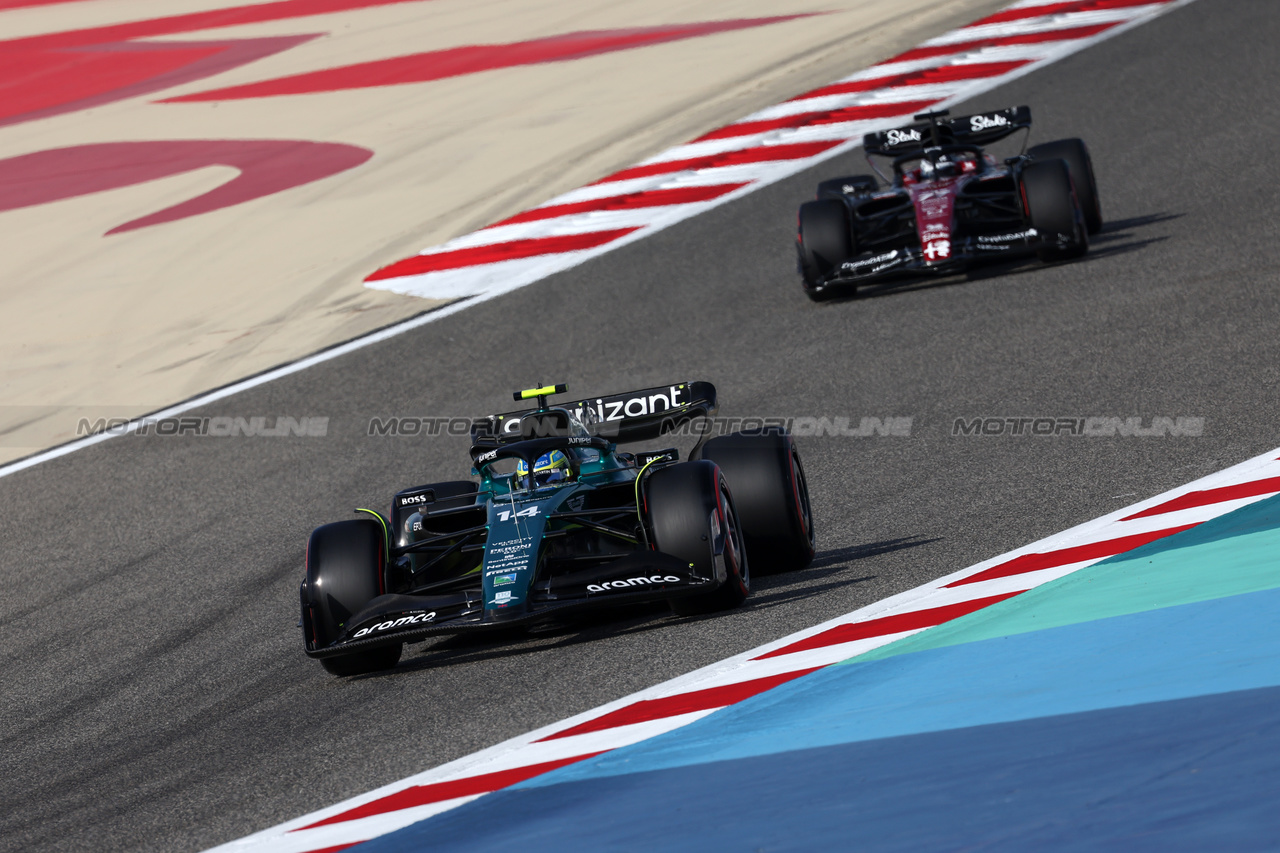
(801, 487)
(733, 540)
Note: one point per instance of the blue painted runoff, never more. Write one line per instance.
(1157, 730)
(1194, 649)
(1196, 774)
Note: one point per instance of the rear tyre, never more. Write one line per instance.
(1053, 210)
(852, 185)
(771, 495)
(344, 573)
(825, 242)
(1075, 154)
(681, 501)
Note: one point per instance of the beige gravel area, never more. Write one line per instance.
(121, 325)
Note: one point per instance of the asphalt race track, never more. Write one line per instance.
(156, 695)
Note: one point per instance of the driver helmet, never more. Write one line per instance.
(938, 166)
(552, 468)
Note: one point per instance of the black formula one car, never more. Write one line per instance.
(948, 204)
(560, 521)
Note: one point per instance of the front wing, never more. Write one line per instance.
(633, 579)
(962, 253)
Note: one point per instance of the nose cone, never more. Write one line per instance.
(935, 207)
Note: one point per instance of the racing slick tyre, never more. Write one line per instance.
(825, 242)
(771, 496)
(344, 572)
(1053, 209)
(852, 185)
(682, 501)
(1075, 154)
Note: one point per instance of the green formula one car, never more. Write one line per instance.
(559, 521)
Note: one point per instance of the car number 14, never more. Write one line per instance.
(527, 512)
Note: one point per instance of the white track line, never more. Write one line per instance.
(406, 277)
(480, 283)
(541, 746)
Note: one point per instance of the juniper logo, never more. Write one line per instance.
(1097, 426)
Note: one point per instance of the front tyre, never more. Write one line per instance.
(825, 241)
(344, 573)
(1054, 210)
(692, 517)
(1075, 154)
(771, 494)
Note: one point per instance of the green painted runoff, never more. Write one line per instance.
(1233, 554)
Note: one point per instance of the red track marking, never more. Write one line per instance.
(682, 703)
(652, 198)
(421, 795)
(1090, 551)
(895, 624)
(35, 80)
(41, 83)
(999, 41)
(1058, 9)
(266, 167)
(759, 154)
(1211, 496)
(508, 251)
(858, 113)
(253, 14)
(459, 61)
(940, 74)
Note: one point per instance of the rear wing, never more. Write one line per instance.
(938, 128)
(634, 416)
